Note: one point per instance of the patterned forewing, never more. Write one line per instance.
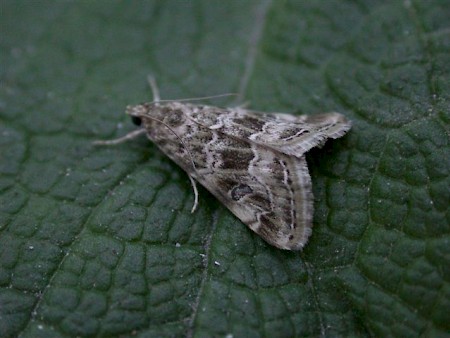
(269, 191)
(292, 135)
(253, 163)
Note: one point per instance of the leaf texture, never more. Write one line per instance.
(101, 242)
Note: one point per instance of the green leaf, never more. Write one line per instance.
(100, 241)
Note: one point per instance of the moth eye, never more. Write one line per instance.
(136, 120)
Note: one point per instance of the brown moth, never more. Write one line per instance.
(253, 163)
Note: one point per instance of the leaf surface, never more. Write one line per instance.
(100, 241)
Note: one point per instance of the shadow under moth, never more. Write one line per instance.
(254, 163)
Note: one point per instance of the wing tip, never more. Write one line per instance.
(292, 242)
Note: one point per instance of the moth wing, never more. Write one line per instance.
(292, 135)
(272, 197)
(289, 134)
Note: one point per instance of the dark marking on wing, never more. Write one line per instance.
(174, 118)
(240, 191)
(226, 184)
(251, 123)
(237, 160)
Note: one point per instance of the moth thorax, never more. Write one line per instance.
(172, 117)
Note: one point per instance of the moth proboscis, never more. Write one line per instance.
(254, 163)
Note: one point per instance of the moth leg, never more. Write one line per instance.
(122, 139)
(154, 87)
(194, 187)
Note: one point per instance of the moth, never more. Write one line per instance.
(254, 163)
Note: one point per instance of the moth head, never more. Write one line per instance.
(169, 114)
(136, 113)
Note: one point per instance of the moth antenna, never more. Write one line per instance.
(156, 98)
(193, 183)
(178, 137)
(200, 98)
(154, 87)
